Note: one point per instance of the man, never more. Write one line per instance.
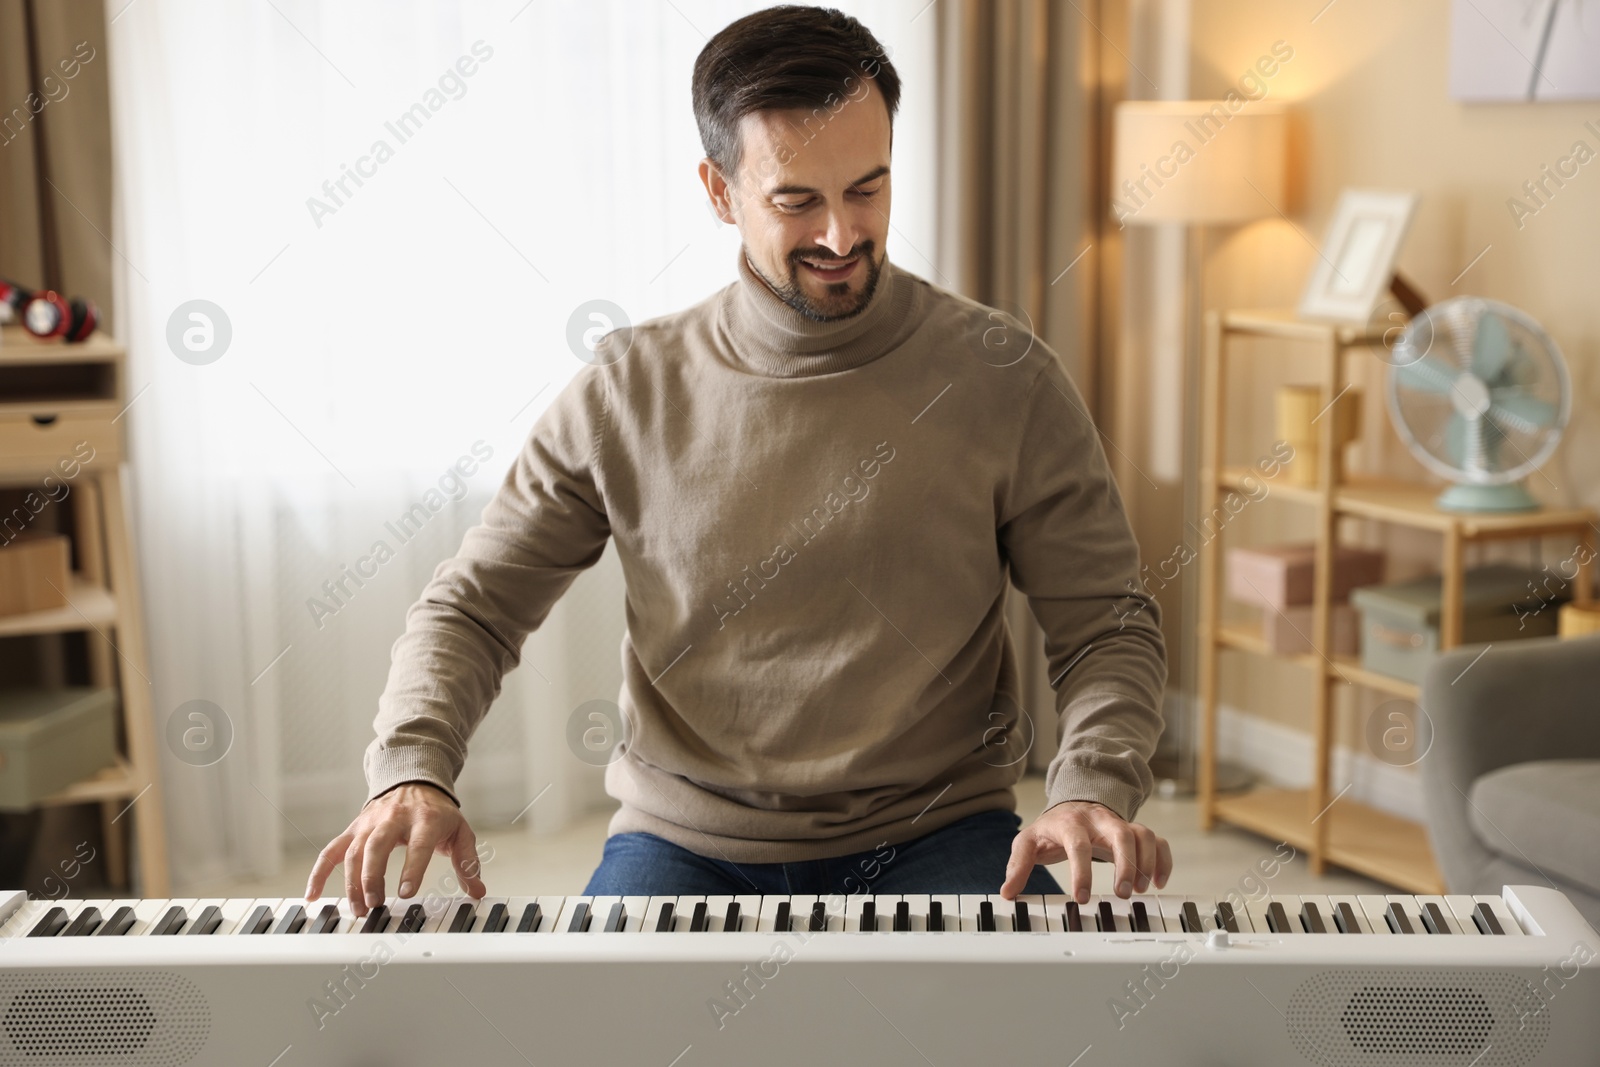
(818, 481)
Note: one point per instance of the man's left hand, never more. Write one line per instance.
(1080, 831)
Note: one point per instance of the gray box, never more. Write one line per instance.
(1400, 621)
(51, 738)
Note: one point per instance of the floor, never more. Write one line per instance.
(1204, 864)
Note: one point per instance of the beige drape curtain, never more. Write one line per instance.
(55, 148)
(1022, 143)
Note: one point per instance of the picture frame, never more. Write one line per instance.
(1355, 261)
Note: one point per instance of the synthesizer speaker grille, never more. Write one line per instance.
(1400, 1018)
(56, 1018)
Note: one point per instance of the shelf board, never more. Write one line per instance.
(1284, 322)
(18, 346)
(108, 783)
(1243, 639)
(1390, 849)
(1233, 478)
(1351, 668)
(88, 607)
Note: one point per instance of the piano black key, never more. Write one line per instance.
(1141, 917)
(327, 920)
(1278, 919)
(986, 915)
(819, 917)
(495, 921)
(377, 920)
(83, 924)
(529, 923)
(51, 923)
(120, 922)
(465, 916)
(1311, 918)
(1023, 923)
(1074, 917)
(1434, 919)
(780, 921)
(171, 922)
(664, 920)
(1396, 918)
(869, 917)
(902, 917)
(415, 918)
(936, 916)
(1483, 916)
(697, 918)
(1107, 918)
(619, 916)
(580, 919)
(1190, 919)
(207, 923)
(730, 921)
(293, 919)
(1344, 917)
(1225, 917)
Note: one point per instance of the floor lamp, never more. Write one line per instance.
(1195, 164)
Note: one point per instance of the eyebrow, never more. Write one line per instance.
(789, 190)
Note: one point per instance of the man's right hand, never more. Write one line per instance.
(419, 816)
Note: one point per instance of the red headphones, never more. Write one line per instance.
(47, 314)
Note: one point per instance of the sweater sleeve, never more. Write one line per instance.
(545, 524)
(1072, 553)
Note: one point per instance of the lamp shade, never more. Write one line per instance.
(1197, 161)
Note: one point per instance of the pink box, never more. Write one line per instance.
(1283, 576)
(1288, 631)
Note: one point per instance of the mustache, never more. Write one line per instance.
(863, 249)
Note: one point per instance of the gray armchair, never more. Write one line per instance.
(1512, 782)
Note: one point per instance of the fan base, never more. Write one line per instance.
(1510, 497)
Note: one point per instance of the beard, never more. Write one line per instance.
(839, 302)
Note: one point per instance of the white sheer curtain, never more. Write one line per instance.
(511, 161)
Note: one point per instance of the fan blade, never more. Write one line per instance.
(1492, 346)
(1455, 440)
(1429, 374)
(1519, 411)
(1474, 449)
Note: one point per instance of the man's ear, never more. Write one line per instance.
(718, 191)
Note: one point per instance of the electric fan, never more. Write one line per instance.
(1480, 394)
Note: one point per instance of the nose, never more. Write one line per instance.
(840, 235)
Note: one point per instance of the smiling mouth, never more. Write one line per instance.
(831, 269)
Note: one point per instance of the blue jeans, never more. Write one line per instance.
(967, 856)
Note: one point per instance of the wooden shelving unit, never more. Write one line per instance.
(52, 397)
(1328, 827)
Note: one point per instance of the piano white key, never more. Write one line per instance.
(515, 906)
(234, 909)
(483, 908)
(569, 909)
(151, 911)
(917, 904)
(950, 909)
(800, 912)
(1461, 905)
(1257, 910)
(1005, 912)
(10, 904)
(1450, 920)
(683, 913)
(1037, 922)
(599, 910)
(652, 915)
(1408, 904)
(1291, 912)
(199, 909)
(969, 911)
(1374, 905)
(1507, 922)
(717, 911)
(1153, 911)
(1324, 911)
(1242, 917)
(852, 912)
(767, 917)
(1119, 913)
(549, 913)
(272, 904)
(1363, 923)
(885, 904)
(636, 907)
(1171, 908)
(439, 909)
(1055, 911)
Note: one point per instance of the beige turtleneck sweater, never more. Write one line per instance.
(816, 522)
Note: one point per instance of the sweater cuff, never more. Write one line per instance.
(392, 768)
(1084, 783)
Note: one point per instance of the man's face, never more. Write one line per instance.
(811, 200)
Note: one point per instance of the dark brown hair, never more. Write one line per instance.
(780, 58)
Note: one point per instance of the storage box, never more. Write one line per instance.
(1579, 620)
(33, 573)
(1283, 576)
(1288, 631)
(51, 738)
(1400, 622)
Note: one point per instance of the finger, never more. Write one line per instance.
(1144, 840)
(1080, 859)
(375, 861)
(420, 842)
(464, 854)
(1124, 853)
(1020, 865)
(1163, 862)
(327, 860)
(352, 875)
